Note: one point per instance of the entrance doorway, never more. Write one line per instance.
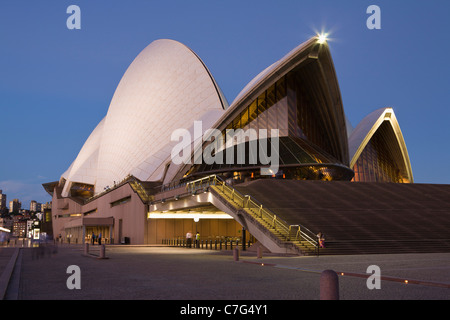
(98, 235)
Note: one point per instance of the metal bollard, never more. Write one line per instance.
(102, 252)
(329, 285)
(259, 252)
(86, 248)
(236, 254)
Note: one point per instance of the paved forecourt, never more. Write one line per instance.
(165, 273)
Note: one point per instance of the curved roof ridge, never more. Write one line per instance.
(256, 81)
(220, 93)
(82, 166)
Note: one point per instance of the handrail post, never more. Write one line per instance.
(318, 246)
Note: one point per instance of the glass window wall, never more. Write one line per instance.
(380, 160)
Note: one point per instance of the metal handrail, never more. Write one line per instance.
(246, 202)
(299, 234)
(128, 179)
(138, 188)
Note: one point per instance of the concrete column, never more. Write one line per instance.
(329, 285)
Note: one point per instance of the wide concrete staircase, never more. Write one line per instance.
(362, 218)
(289, 238)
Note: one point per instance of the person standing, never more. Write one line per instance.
(197, 240)
(321, 239)
(189, 239)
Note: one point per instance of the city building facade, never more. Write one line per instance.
(35, 206)
(15, 205)
(2, 201)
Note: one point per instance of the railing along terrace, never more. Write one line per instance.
(205, 244)
(128, 179)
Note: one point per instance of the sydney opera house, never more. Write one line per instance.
(329, 176)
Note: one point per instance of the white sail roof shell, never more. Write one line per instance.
(84, 167)
(167, 87)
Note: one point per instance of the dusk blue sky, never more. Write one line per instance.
(56, 84)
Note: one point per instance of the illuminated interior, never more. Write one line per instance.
(309, 144)
(378, 149)
(81, 190)
(381, 160)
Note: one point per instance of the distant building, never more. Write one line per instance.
(15, 205)
(29, 230)
(6, 223)
(25, 213)
(35, 206)
(46, 219)
(45, 206)
(2, 201)
(20, 228)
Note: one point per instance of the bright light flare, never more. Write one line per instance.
(322, 38)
